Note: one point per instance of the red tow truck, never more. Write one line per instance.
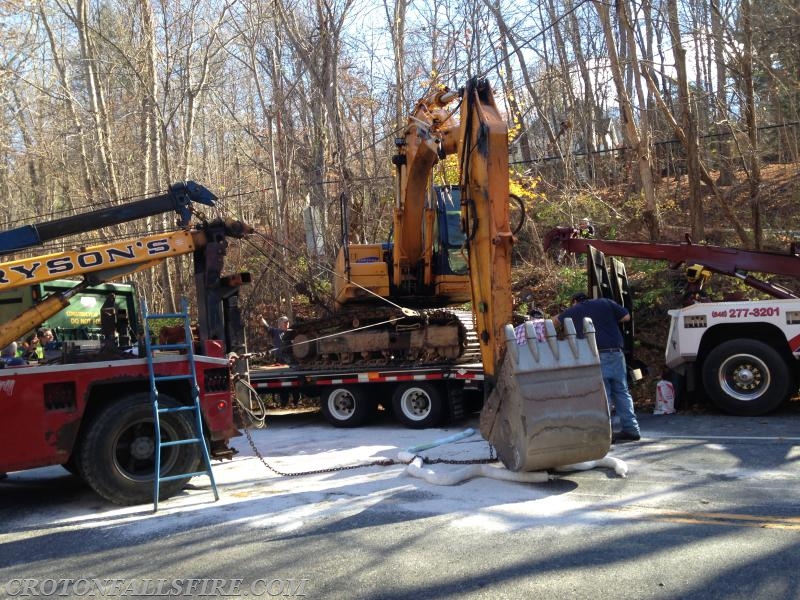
(89, 409)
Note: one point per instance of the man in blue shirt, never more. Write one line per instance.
(606, 315)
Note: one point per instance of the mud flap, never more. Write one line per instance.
(548, 407)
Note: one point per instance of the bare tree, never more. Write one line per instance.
(688, 124)
(637, 139)
(752, 159)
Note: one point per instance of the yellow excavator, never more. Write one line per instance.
(545, 402)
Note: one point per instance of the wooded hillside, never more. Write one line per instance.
(651, 117)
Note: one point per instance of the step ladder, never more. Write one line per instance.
(193, 408)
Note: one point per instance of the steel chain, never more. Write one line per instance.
(381, 462)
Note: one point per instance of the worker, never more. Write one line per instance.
(45, 336)
(586, 229)
(32, 348)
(9, 357)
(536, 317)
(606, 315)
(281, 354)
(276, 335)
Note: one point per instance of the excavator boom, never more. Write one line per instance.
(545, 399)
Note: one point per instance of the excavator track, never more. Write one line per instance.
(369, 336)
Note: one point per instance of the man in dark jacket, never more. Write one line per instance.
(606, 315)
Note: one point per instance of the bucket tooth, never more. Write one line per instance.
(548, 407)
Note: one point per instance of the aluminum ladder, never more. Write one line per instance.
(193, 408)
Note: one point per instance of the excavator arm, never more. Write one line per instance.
(545, 399)
(483, 158)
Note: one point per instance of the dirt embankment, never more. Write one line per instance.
(656, 287)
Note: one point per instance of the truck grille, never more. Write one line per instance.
(694, 321)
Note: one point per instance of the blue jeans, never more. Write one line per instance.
(615, 378)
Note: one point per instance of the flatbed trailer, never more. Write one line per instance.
(418, 396)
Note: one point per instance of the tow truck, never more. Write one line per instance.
(89, 409)
(744, 354)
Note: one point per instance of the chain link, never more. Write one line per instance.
(381, 462)
(242, 413)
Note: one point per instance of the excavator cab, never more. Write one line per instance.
(449, 254)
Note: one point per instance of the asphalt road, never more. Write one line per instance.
(709, 509)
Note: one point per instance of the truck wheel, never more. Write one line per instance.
(418, 405)
(346, 406)
(117, 457)
(746, 377)
(71, 466)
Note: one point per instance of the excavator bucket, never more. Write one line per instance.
(548, 407)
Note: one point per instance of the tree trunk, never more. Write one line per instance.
(720, 97)
(638, 144)
(66, 87)
(753, 162)
(704, 174)
(529, 87)
(589, 107)
(99, 113)
(689, 126)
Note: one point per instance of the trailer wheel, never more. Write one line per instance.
(418, 405)
(746, 377)
(117, 457)
(346, 406)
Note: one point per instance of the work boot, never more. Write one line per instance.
(625, 436)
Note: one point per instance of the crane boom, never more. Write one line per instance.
(103, 262)
(179, 198)
(115, 256)
(733, 262)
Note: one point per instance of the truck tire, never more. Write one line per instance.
(346, 406)
(72, 466)
(746, 377)
(418, 405)
(117, 457)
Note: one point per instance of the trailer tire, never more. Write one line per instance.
(746, 377)
(418, 405)
(117, 454)
(345, 406)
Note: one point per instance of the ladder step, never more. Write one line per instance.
(174, 409)
(187, 351)
(182, 475)
(180, 442)
(172, 377)
(169, 347)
